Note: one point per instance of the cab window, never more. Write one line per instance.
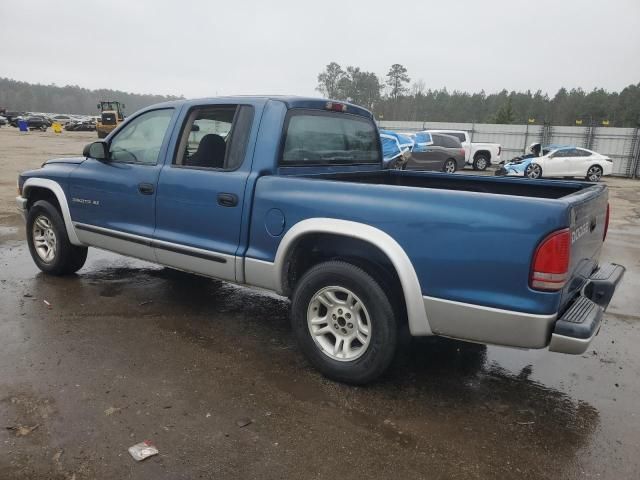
(215, 137)
(315, 137)
(140, 140)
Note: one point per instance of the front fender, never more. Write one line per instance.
(57, 190)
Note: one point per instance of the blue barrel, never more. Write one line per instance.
(22, 125)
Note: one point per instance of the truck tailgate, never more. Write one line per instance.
(588, 212)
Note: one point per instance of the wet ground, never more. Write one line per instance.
(127, 351)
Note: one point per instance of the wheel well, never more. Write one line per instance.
(315, 248)
(485, 153)
(596, 165)
(39, 193)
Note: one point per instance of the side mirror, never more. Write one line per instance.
(98, 106)
(98, 150)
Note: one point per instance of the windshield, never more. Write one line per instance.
(316, 137)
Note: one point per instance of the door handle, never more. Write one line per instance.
(227, 199)
(146, 188)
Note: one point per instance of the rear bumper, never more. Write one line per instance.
(574, 331)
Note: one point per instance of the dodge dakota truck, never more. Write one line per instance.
(289, 194)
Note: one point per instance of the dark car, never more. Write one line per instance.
(34, 122)
(81, 126)
(11, 115)
(443, 153)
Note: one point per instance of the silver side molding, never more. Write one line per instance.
(482, 324)
(62, 200)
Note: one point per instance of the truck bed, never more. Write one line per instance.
(482, 184)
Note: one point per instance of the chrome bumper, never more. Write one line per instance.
(574, 331)
(21, 203)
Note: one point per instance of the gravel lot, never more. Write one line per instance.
(127, 351)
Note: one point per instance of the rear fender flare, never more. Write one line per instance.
(416, 314)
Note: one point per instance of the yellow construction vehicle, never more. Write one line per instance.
(111, 115)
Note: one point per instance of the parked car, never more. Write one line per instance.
(295, 200)
(62, 119)
(3, 121)
(34, 122)
(10, 115)
(478, 155)
(439, 152)
(396, 148)
(80, 126)
(560, 161)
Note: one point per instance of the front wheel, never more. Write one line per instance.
(594, 173)
(344, 322)
(48, 242)
(533, 171)
(450, 166)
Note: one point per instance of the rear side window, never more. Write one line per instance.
(582, 153)
(451, 142)
(438, 140)
(215, 137)
(315, 138)
(459, 136)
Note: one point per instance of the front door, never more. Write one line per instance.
(113, 201)
(201, 192)
(556, 164)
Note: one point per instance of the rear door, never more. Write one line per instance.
(201, 191)
(579, 162)
(431, 158)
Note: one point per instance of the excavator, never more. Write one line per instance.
(111, 115)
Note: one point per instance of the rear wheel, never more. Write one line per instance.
(344, 322)
(533, 170)
(594, 173)
(481, 162)
(49, 243)
(450, 166)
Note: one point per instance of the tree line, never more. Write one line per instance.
(396, 97)
(28, 97)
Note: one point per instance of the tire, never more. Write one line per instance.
(481, 162)
(364, 360)
(450, 166)
(101, 134)
(594, 174)
(533, 171)
(46, 232)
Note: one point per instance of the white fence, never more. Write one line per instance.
(621, 144)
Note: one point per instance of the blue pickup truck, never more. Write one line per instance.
(289, 194)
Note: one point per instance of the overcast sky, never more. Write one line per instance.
(206, 48)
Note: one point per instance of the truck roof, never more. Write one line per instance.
(291, 101)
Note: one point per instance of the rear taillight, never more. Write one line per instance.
(606, 223)
(462, 152)
(550, 266)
